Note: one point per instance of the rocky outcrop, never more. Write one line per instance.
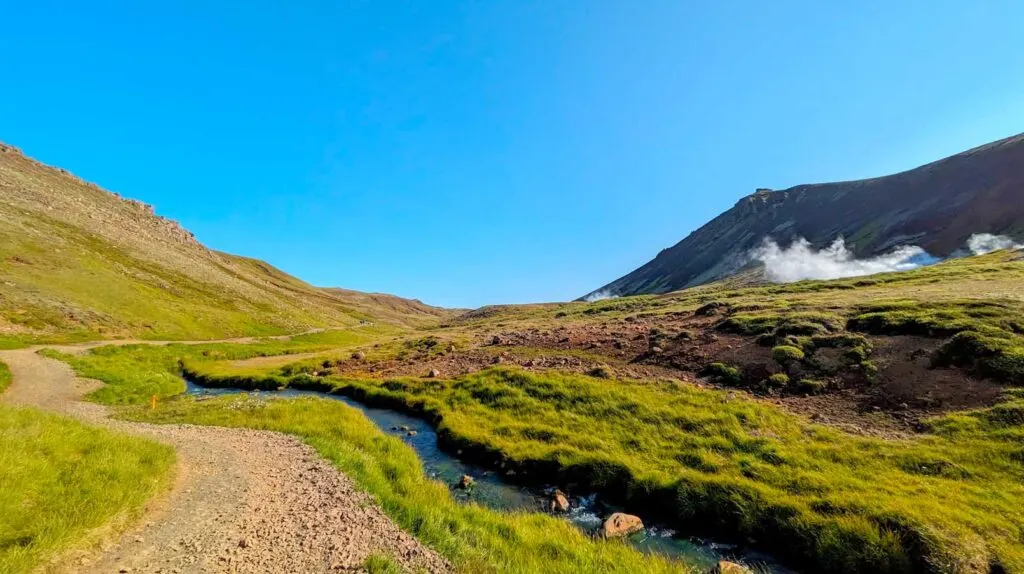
(937, 206)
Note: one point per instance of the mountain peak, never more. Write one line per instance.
(936, 206)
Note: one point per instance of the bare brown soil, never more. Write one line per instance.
(906, 389)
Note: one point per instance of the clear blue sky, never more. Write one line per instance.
(468, 153)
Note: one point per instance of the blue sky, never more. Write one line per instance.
(468, 153)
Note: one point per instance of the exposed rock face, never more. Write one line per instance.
(621, 524)
(937, 206)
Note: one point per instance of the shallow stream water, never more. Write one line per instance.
(491, 490)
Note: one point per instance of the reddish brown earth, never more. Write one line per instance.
(906, 389)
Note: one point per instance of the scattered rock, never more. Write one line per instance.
(403, 428)
(656, 350)
(433, 374)
(243, 543)
(411, 433)
(712, 308)
(496, 340)
(466, 482)
(726, 567)
(559, 502)
(359, 355)
(621, 524)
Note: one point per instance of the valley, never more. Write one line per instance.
(215, 414)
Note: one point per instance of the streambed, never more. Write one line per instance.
(492, 490)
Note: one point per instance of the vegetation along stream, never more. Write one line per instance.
(490, 488)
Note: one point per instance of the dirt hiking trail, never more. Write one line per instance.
(243, 501)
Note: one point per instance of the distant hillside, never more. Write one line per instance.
(392, 309)
(78, 261)
(936, 206)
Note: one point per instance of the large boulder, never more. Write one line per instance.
(621, 524)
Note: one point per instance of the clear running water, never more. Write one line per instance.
(491, 490)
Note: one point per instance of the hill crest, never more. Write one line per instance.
(936, 206)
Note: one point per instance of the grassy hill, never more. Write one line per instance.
(78, 262)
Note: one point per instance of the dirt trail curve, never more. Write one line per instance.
(243, 501)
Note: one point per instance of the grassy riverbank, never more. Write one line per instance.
(944, 501)
(474, 538)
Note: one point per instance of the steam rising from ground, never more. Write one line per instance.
(599, 295)
(982, 243)
(801, 261)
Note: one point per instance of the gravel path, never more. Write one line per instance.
(244, 501)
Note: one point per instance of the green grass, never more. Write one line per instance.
(134, 373)
(381, 564)
(60, 479)
(739, 468)
(474, 538)
(5, 377)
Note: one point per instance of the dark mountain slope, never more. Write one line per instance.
(937, 206)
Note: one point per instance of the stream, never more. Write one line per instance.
(587, 511)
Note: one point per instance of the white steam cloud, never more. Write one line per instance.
(801, 261)
(982, 243)
(599, 295)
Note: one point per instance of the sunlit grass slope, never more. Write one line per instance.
(78, 262)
